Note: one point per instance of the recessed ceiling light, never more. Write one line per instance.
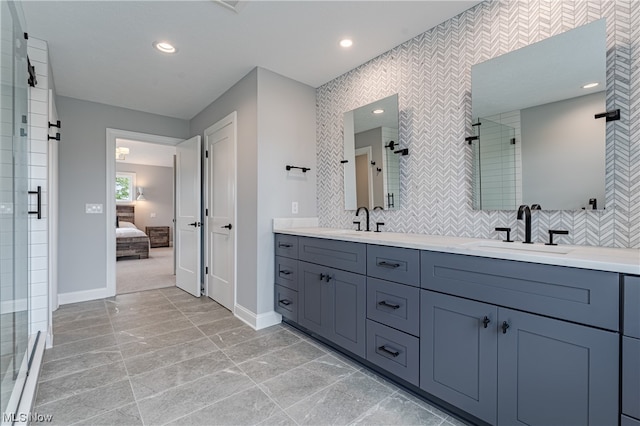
(164, 47)
(589, 86)
(378, 111)
(346, 42)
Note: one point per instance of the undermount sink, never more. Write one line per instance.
(518, 246)
(341, 232)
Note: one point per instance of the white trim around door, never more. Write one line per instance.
(110, 205)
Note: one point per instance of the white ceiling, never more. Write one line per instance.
(149, 154)
(101, 50)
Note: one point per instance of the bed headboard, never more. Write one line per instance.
(126, 213)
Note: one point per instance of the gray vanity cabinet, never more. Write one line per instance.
(332, 304)
(553, 372)
(459, 356)
(522, 369)
(631, 352)
(286, 276)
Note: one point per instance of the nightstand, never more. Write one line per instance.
(158, 235)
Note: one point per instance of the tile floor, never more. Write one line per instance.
(164, 357)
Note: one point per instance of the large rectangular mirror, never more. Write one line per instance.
(538, 141)
(371, 167)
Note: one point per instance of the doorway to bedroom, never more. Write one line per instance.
(144, 199)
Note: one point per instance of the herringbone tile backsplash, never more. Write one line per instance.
(432, 75)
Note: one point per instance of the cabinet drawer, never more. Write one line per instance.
(287, 303)
(632, 306)
(343, 255)
(631, 377)
(628, 421)
(286, 272)
(394, 264)
(394, 305)
(393, 350)
(579, 295)
(287, 246)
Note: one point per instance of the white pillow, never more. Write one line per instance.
(124, 224)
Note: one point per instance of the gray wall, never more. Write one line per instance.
(157, 182)
(286, 135)
(242, 97)
(563, 154)
(82, 256)
(432, 75)
(276, 127)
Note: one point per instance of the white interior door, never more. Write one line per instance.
(220, 144)
(188, 207)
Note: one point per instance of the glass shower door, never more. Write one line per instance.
(14, 290)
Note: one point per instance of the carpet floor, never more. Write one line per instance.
(134, 275)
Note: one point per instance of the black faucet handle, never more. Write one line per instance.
(553, 232)
(378, 225)
(355, 222)
(508, 231)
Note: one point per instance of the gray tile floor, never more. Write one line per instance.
(164, 357)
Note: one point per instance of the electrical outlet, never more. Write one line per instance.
(294, 207)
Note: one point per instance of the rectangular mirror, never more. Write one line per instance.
(371, 168)
(533, 110)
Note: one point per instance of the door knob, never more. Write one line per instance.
(226, 226)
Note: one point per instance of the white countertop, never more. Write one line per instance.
(589, 257)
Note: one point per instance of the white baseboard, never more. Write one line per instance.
(49, 340)
(82, 296)
(257, 322)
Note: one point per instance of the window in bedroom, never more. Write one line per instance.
(125, 187)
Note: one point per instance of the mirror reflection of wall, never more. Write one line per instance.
(538, 141)
(371, 171)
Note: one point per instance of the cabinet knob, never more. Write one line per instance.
(486, 321)
(505, 327)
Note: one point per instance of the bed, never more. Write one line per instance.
(131, 243)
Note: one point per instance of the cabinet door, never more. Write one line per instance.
(553, 372)
(347, 308)
(313, 298)
(332, 304)
(458, 355)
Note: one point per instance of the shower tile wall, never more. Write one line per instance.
(432, 75)
(38, 176)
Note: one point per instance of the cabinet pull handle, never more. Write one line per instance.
(486, 321)
(284, 302)
(285, 272)
(383, 348)
(38, 194)
(283, 245)
(322, 277)
(388, 265)
(389, 305)
(505, 327)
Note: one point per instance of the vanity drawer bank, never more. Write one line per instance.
(495, 336)
(631, 352)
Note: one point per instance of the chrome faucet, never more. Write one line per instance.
(524, 209)
(366, 210)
